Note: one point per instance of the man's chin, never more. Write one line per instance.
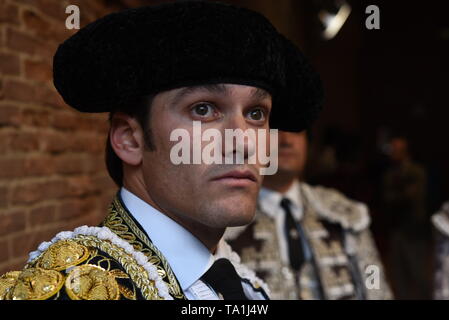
(240, 218)
(230, 209)
(231, 218)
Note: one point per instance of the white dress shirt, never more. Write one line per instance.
(186, 255)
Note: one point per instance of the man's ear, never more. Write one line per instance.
(126, 138)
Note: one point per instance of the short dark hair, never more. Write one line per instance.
(138, 108)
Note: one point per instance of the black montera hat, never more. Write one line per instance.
(147, 50)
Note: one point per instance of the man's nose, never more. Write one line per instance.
(239, 138)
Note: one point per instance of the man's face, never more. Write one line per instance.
(398, 149)
(194, 193)
(292, 152)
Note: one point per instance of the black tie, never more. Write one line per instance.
(295, 249)
(223, 278)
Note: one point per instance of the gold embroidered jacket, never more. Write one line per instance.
(114, 261)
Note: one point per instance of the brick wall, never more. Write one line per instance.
(52, 172)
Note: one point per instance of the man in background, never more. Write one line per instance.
(309, 242)
(404, 204)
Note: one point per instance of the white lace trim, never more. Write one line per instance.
(313, 195)
(441, 222)
(224, 250)
(106, 234)
(232, 233)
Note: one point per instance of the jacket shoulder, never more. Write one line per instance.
(335, 207)
(440, 220)
(89, 263)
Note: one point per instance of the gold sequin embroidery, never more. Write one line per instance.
(136, 272)
(62, 255)
(89, 282)
(36, 284)
(7, 282)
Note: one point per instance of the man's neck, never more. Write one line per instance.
(207, 235)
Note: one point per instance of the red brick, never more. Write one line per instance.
(79, 186)
(90, 143)
(65, 120)
(71, 209)
(96, 145)
(24, 141)
(22, 42)
(3, 197)
(86, 221)
(96, 8)
(33, 192)
(55, 142)
(19, 91)
(10, 115)
(94, 162)
(80, 142)
(9, 13)
(42, 215)
(36, 117)
(11, 168)
(104, 205)
(25, 2)
(12, 222)
(100, 166)
(103, 183)
(103, 127)
(54, 9)
(39, 71)
(46, 51)
(9, 64)
(2, 87)
(56, 189)
(4, 251)
(59, 34)
(13, 265)
(82, 190)
(18, 167)
(49, 97)
(28, 193)
(93, 122)
(24, 243)
(39, 166)
(70, 164)
(35, 22)
(4, 141)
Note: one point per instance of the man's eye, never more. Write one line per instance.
(257, 114)
(203, 109)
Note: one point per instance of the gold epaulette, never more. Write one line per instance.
(83, 267)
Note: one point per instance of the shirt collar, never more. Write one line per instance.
(270, 200)
(186, 255)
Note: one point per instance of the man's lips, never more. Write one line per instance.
(237, 178)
